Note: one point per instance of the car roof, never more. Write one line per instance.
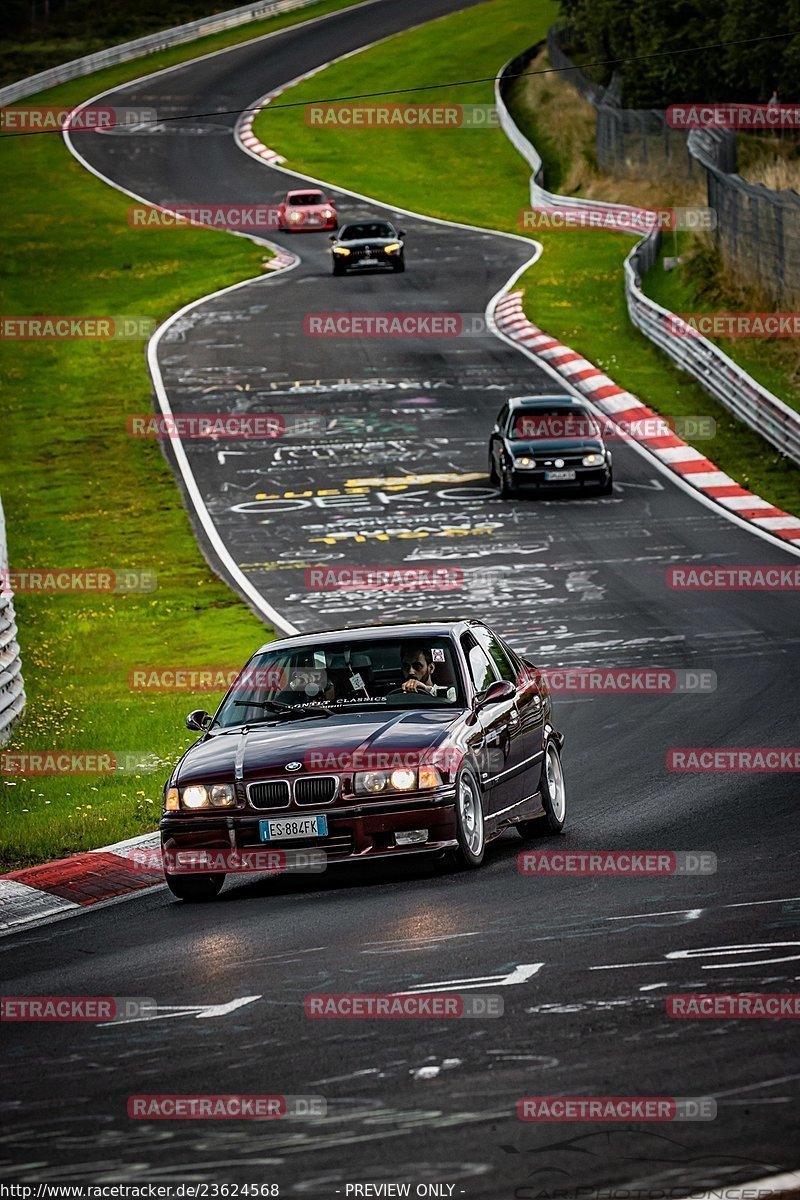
(447, 627)
(534, 402)
(306, 192)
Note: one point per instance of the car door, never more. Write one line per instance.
(496, 723)
(526, 719)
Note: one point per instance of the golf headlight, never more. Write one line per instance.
(392, 248)
(340, 250)
(525, 463)
(328, 214)
(403, 779)
(593, 460)
(195, 796)
(295, 216)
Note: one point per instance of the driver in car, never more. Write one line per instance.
(419, 663)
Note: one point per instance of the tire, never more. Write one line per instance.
(197, 889)
(607, 489)
(507, 489)
(470, 829)
(494, 479)
(554, 798)
(399, 267)
(337, 270)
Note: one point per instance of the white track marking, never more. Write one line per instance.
(521, 974)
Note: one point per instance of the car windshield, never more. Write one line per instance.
(305, 198)
(371, 229)
(417, 672)
(540, 423)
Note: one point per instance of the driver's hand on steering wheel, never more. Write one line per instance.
(416, 685)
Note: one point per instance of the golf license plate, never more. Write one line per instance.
(281, 829)
(558, 476)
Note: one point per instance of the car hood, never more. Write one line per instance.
(557, 446)
(317, 743)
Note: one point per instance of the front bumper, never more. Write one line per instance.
(357, 831)
(584, 477)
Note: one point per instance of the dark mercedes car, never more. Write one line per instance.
(547, 442)
(366, 744)
(365, 245)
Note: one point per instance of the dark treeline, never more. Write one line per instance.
(108, 22)
(604, 29)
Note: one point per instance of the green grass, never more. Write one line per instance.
(575, 292)
(78, 492)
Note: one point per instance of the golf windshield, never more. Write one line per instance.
(387, 673)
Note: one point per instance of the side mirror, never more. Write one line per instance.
(501, 689)
(332, 237)
(198, 720)
(401, 233)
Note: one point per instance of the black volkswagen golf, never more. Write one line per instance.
(365, 245)
(543, 442)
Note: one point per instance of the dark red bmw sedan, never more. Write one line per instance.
(368, 743)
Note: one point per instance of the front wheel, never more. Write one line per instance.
(337, 270)
(554, 797)
(607, 489)
(507, 489)
(397, 267)
(470, 829)
(196, 888)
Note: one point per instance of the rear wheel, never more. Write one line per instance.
(196, 888)
(470, 829)
(554, 797)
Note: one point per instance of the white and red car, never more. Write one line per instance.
(307, 209)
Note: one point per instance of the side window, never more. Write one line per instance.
(480, 668)
(486, 639)
(502, 417)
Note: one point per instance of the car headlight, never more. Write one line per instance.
(340, 250)
(403, 779)
(295, 216)
(525, 463)
(594, 459)
(195, 796)
(328, 214)
(392, 248)
(222, 795)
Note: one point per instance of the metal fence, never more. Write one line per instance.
(629, 141)
(12, 689)
(79, 67)
(719, 375)
(758, 229)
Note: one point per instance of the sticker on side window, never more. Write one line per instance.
(437, 654)
(356, 682)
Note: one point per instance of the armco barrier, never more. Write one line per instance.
(79, 67)
(12, 689)
(718, 374)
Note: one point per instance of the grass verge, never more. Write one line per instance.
(575, 291)
(78, 492)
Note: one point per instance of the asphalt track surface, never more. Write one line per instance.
(577, 581)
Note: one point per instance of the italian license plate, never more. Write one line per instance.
(558, 476)
(283, 828)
